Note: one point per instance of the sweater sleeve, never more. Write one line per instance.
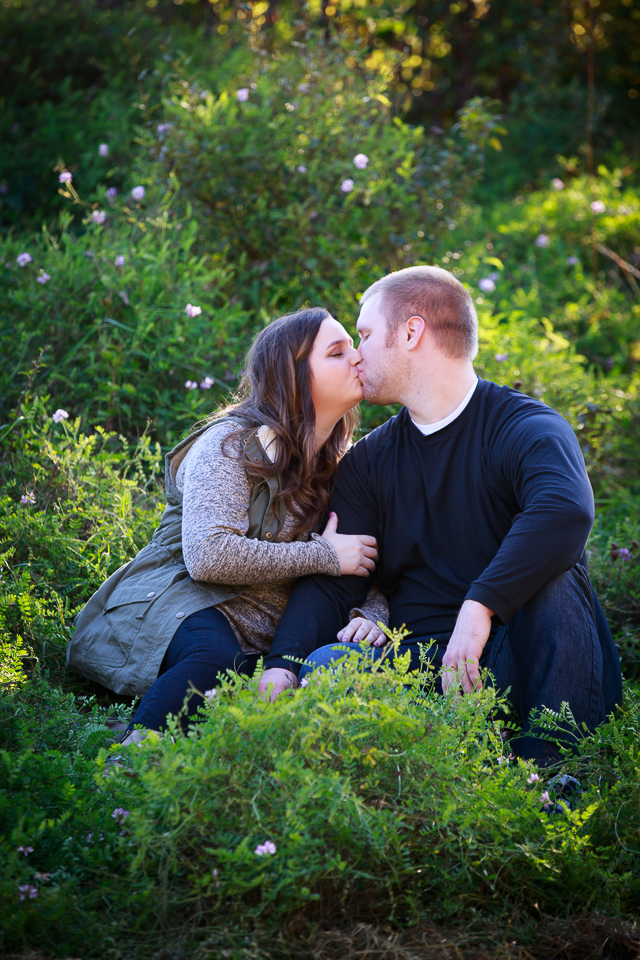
(375, 607)
(539, 462)
(319, 606)
(215, 521)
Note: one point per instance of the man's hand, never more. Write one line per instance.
(462, 656)
(279, 680)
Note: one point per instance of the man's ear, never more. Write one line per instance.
(414, 331)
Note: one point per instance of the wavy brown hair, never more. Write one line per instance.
(276, 390)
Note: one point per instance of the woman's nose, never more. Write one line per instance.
(356, 356)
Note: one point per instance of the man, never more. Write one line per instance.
(481, 505)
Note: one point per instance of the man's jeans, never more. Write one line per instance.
(557, 648)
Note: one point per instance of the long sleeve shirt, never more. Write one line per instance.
(489, 508)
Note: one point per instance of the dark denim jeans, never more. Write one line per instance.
(557, 648)
(203, 647)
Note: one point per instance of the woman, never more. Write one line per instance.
(245, 494)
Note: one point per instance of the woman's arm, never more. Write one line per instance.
(215, 521)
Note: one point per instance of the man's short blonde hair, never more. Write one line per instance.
(435, 295)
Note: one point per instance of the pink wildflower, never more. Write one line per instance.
(138, 193)
(27, 890)
(211, 694)
(242, 95)
(60, 415)
(268, 848)
(119, 261)
(28, 498)
(542, 240)
(487, 285)
(65, 177)
(557, 183)
(304, 682)
(545, 798)
(347, 185)
(598, 206)
(44, 277)
(360, 161)
(207, 383)
(25, 850)
(501, 357)
(533, 778)
(98, 216)
(192, 311)
(23, 259)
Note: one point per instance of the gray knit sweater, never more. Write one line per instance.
(216, 492)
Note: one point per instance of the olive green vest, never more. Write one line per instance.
(123, 632)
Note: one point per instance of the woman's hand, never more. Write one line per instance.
(360, 630)
(275, 681)
(357, 553)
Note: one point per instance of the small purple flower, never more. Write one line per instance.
(120, 815)
(211, 694)
(501, 357)
(557, 183)
(65, 177)
(90, 838)
(573, 261)
(360, 161)
(207, 383)
(301, 168)
(60, 415)
(23, 259)
(347, 185)
(4, 186)
(27, 890)
(624, 553)
(98, 216)
(533, 778)
(487, 285)
(103, 149)
(304, 88)
(545, 798)
(162, 128)
(25, 850)
(242, 95)
(44, 277)
(192, 311)
(112, 193)
(494, 275)
(304, 682)
(542, 240)
(27, 498)
(268, 848)
(138, 194)
(598, 206)
(119, 261)
(191, 384)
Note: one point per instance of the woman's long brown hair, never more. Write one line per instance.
(276, 390)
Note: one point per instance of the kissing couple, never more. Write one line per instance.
(465, 518)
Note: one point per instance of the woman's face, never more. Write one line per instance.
(335, 385)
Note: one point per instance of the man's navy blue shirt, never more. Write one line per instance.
(489, 508)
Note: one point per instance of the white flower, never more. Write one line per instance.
(192, 311)
(360, 161)
(542, 240)
(60, 415)
(267, 848)
(191, 384)
(598, 206)
(347, 185)
(242, 94)
(103, 149)
(487, 285)
(98, 216)
(557, 183)
(138, 193)
(23, 259)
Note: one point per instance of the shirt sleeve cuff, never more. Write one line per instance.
(485, 595)
(283, 662)
(333, 564)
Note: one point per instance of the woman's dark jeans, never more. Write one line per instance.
(557, 648)
(203, 647)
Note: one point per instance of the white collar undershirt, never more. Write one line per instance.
(428, 428)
